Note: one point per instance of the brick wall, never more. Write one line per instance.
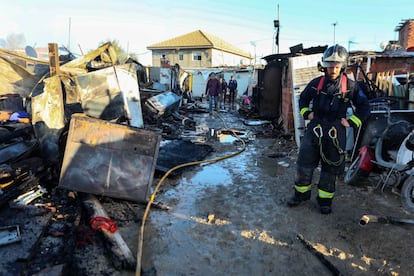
(406, 35)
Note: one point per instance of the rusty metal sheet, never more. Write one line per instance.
(108, 159)
(111, 93)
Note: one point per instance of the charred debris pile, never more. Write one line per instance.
(75, 128)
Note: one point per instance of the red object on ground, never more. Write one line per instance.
(103, 223)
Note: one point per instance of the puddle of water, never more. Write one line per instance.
(211, 175)
(190, 186)
(199, 181)
(183, 197)
(195, 184)
(227, 139)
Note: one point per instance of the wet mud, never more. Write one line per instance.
(224, 218)
(231, 218)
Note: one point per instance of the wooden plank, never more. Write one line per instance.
(53, 59)
(385, 81)
(378, 80)
(390, 83)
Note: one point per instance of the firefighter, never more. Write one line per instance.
(324, 102)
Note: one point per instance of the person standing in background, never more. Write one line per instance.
(213, 88)
(223, 91)
(232, 89)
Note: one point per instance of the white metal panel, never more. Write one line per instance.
(298, 85)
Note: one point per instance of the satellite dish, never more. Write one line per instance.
(383, 45)
(30, 51)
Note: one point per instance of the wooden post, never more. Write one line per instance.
(53, 59)
(390, 83)
(385, 81)
(378, 80)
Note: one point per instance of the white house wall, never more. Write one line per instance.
(200, 81)
(221, 58)
(209, 58)
(246, 80)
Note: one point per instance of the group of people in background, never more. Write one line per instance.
(216, 91)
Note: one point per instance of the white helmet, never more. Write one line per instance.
(335, 53)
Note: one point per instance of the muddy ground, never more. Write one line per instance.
(226, 218)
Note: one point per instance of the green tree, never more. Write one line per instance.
(120, 51)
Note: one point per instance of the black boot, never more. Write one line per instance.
(298, 198)
(325, 205)
(294, 201)
(325, 210)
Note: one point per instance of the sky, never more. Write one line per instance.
(83, 25)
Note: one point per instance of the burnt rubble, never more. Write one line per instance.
(84, 131)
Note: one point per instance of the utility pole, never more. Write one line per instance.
(276, 24)
(70, 21)
(334, 26)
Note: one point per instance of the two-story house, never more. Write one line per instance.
(198, 49)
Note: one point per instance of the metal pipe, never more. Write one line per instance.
(365, 219)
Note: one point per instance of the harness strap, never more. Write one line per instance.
(343, 84)
(333, 135)
(320, 84)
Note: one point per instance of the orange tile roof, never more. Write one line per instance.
(198, 39)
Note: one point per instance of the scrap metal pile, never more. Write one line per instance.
(89, 105)
(78, 125)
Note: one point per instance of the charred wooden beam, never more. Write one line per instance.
(319, 255)
(120, 250)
